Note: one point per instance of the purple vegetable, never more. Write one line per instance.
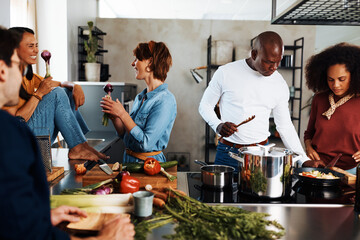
(100, 191)
(103, 190)
(108, 88)
(46, 55)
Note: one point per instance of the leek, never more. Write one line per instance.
(110, 209)
(83, 201)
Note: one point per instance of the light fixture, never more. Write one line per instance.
(198, 78)
(319, 12)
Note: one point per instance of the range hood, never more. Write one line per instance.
(319, 12)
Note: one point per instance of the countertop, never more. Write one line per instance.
(301, 221)
(60, 159)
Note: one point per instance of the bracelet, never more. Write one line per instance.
(37, 96)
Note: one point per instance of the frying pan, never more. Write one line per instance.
(317, 181)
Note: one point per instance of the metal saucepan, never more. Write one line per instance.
(264, 171)
(216, 176)
(317, 181)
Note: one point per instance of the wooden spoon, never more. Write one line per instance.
(243, 122)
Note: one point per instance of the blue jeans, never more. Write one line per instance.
(56, 112)
(223, 158)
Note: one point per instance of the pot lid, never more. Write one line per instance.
(266, 151)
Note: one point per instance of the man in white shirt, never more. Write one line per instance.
(249, 87)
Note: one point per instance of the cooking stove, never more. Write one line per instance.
(301, 193)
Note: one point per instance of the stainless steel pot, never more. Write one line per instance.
(216, 176)
(264, 171)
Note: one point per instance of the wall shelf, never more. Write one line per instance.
(82, 37)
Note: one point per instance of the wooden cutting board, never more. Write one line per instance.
(56, 172)
(158, 181)
(93, 222)
(349, 179)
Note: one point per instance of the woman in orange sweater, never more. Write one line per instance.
(51, 105)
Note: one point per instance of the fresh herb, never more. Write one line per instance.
(258, 181)
(144, 227)
(197, 220)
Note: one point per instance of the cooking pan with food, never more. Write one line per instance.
(318, 181)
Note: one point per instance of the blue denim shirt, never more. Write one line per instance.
(154, 120)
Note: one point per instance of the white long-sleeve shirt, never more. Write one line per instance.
(244, 92)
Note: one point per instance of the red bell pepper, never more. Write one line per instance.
(151, 166)
(129, 184)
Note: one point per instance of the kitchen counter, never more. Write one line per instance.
(60, 159)
(301, 221)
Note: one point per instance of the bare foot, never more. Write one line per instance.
(81, 151)
(99, 154)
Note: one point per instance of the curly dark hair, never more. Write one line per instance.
(161, 57)
(342, 53)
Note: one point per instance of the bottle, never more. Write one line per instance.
(357, 193)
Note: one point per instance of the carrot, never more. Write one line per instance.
(160, 195)
(157, 202)
(169, 192)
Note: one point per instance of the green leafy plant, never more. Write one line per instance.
(91, 45)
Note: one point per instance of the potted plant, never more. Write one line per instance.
(92, 68)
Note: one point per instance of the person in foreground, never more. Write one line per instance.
(146, 131)
(245, 88)
(25, 206)
(49, 104)
(333, 127)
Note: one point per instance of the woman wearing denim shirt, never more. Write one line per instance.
(146, 131)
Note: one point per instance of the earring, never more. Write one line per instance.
(148, 69)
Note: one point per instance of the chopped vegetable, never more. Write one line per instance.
(80, 169)
(318, 174)
(116, 166)
(46, 55)
(129, 184)
(152, 166)
(108, 88)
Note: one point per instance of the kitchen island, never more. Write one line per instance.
(301, 221)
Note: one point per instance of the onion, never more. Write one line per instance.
(46, 55)
(100, 191)
(108, 88)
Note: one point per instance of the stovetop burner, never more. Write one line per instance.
(300, 194)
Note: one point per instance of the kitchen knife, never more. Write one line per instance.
(103, 166)
(89, 164)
